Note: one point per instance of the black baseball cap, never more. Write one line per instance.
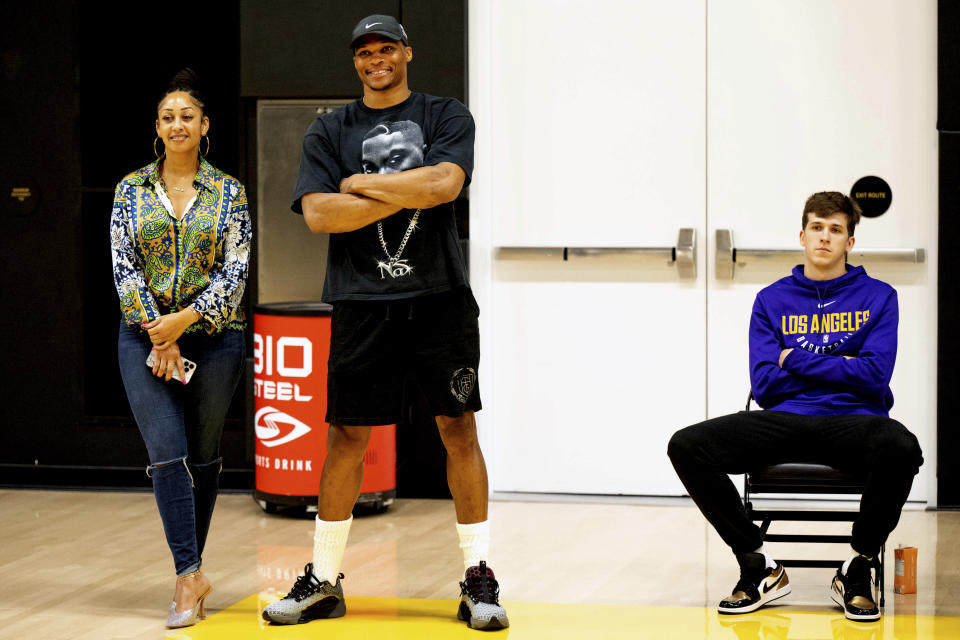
(381, 25)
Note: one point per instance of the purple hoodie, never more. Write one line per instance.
(823, 320)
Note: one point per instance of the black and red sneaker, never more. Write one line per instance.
(479, 604)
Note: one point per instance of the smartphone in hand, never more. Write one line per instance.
(189, 366)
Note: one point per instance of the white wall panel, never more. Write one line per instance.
(597, 124)
(593, 377)
(598, 120)
(614, 123)
(810, 96)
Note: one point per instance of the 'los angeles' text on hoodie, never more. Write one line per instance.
(822, 321)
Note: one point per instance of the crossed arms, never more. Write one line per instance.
(366, 198)
(778, 372)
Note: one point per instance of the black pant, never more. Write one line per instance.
(881, 448)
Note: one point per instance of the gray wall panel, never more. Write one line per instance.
(437, 32)
(292, 48)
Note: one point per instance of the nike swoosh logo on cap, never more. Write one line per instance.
(372, 24)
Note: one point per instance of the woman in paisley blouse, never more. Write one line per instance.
(180, 236)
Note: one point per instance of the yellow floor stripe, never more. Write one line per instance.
(402, 619)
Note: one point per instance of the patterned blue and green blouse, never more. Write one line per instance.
(162, 265)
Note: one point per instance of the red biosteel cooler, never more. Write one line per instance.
(291, 344)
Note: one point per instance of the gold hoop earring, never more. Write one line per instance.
(204, 154)
(155, 152)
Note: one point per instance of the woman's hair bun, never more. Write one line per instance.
(188, 81)
(183, 80)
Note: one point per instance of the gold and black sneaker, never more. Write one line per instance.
(309, 599)
(758, 585)
(853, 591)
(479, 600)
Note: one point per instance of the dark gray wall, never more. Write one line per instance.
(948, 349)
(40, 282)
(295, 49)
(79, 90)
(79, 84)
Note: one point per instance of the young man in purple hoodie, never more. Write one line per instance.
(823, 342)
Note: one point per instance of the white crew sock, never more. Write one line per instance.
(846, 565)
(329, 541)
(474, 542)
(771, 563)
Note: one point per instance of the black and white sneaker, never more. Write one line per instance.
(479, 605)
(853, 592)
(309, 599)
(758, 585)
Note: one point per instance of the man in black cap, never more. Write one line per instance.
(380, 176)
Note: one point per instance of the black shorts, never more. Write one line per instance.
(376, 345)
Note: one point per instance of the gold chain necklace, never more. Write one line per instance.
(175, 187)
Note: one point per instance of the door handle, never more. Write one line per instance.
(683, 255)
(728, 256)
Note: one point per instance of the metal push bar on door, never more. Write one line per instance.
(683, 255)
(728, 256)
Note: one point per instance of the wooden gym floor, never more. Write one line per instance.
(92, 566)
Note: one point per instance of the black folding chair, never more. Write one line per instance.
(802, 477)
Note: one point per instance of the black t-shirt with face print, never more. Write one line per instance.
(423, 130)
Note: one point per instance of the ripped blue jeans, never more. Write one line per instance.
(181, 426)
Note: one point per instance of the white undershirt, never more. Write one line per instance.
(165, 199)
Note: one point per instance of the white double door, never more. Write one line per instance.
(716, 115)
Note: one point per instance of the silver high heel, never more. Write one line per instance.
(176, 619)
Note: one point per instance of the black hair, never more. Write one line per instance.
(188, 81)
(410, 130)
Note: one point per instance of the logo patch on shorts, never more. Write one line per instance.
(462, 383)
